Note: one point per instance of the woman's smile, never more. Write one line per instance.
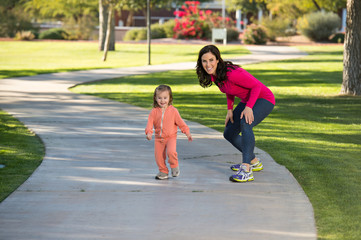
(209, 63)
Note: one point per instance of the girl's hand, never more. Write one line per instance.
(190, 139)
(248, 115)
(229, 117)
(149, 136)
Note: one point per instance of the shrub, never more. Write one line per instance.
(157, 31)
(319, 26)
(276, 27)
(138, 34)
(255, 34)
(232, 34)
(24, 35)
(131, 35)
(168, 27)
(197, 24)
(54, 33)
(337, 37)
(191, 23)
(142, 34)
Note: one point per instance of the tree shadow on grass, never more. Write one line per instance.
(296, 78)
(327, 109)
(172, 78)
(279, 78)
(333, 53)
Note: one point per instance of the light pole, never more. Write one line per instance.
(148, 31)
(224, 12)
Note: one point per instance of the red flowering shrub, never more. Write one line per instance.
(255, 34)
(194, 23)
(188, 24)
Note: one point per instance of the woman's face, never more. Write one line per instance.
(209, 63)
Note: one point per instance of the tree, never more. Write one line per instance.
(104, 28)
(141, 5)
(77, 15)
(13, 19)
(352, 50)
(288, 9)
(329, 5)
(283, 7)
(106, 19)
(109, 5)
(247, 6)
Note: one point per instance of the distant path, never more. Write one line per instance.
(97, 178)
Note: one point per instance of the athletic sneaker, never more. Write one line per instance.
(175, 172)
(242, 175)
(161, 176)
(258, 166)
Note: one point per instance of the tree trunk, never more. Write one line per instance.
(352, 50)
(103, 16)
(316, 5)
(130, 18)
(107, 38)
(101, 25)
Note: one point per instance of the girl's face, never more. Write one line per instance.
(209, 63)
(162, 99)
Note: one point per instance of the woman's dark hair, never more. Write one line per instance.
(162, 88)
(221, 71)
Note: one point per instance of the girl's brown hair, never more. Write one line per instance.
(162, 88)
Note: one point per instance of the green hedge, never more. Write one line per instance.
(157, 31)
(166, 31)
(319, 26)
(54, 33)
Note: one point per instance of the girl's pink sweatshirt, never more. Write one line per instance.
(243, 85)
(166, 124)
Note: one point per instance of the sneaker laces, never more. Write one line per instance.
(242, 170)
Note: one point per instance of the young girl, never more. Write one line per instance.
(165, 119)
(257, 102)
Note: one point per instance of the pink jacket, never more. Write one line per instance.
(243, 85)
(166, 124)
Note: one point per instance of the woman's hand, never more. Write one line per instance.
(248, 115)
(229, 116)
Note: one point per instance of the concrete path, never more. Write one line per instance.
(97, 178)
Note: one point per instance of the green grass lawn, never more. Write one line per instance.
(313, 131)
(21, 58)
(21, 152)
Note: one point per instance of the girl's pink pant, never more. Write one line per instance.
(164, 147)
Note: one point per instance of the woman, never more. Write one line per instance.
(257, 101)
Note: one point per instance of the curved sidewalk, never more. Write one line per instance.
(97, 178)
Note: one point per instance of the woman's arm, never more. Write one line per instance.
(245, 80)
